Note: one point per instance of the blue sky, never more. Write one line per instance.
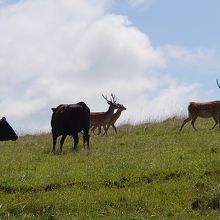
(155, 55)
(189, 24)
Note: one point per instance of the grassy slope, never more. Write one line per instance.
(150, 173)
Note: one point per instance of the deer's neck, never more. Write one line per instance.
(110, 110)
(118, 113)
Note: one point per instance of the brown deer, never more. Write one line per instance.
(98, 119)
(113, 119)
(203, 110)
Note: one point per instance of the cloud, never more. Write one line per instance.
(56, 52)
(157, 104)
(187, 56)
(22, 108)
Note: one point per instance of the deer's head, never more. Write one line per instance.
(112, 101)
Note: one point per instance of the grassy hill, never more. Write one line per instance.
(149, 171)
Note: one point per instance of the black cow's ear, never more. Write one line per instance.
(3, 119)
(53, 109)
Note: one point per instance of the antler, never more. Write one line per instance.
(105, 97)
(114, 98)
(217, 83)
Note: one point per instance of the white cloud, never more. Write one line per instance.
(187, 56)
(54, 51)
(22, 108)
(158, 104)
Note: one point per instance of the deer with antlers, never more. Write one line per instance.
(203, 110)
(113, 119)
(98, 119)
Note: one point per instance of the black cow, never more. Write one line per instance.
(69, 120)
(6, 131)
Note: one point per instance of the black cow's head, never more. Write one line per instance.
(6, 131)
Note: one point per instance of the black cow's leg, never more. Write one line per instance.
(54, 142)
(86, 140)
(76, 140)
(62, 142)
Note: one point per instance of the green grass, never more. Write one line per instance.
(149, 171)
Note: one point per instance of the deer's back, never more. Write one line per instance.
(204, 109)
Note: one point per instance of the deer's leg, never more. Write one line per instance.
(193, 123)
(105, 130)
(218, 119)
(184, 122)
(99, 131)
(94, 128)
(216, 122)
(114, 128)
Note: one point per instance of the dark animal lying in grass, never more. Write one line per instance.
(6, 131)
(70, 120)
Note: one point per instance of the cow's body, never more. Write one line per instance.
(6, 131)
(70, 120)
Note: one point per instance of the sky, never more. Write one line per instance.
(156, 56)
